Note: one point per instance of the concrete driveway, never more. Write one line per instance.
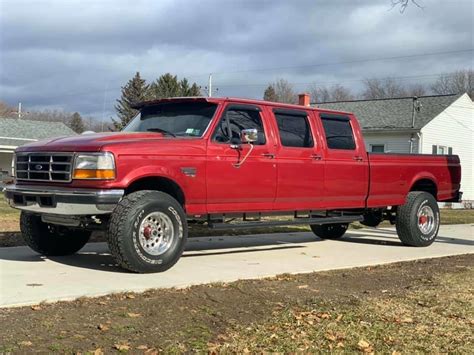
(27, 278)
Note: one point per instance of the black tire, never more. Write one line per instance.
(329, 231)
(51, 240)
(126, 237)
(408, 219)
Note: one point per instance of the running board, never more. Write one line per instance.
(296, 221)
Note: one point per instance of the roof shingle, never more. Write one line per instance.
(394, 113)
(13, 131)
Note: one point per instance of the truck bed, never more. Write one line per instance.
(393, 175)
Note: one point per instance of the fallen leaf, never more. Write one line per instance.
(362, 344)
(330, 337)
(302, 286)
(130, 297)
(103, 327)
(396, 352)
(25, 343)
(134, 315)
(323, 315)
(384, 291)
(273, 336)
(407, 320)
(36, 308)
(121, 347)
(142, 347)
(340, 345)
(102, 303)
(98, 351)
(339, 317)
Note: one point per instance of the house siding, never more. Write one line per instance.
(454, 128)
(394, 142)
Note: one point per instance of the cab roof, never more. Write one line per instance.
(219, 100)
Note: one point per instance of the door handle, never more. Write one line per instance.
(268, 155)
(316, 156)
(357, 158)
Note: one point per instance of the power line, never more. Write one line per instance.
(347, 61)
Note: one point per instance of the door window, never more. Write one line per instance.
(377, 148)
(294, 130)
(338, 132)
(234, 120)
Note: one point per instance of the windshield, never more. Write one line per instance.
(174, 118)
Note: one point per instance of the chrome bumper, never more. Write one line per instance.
(62, 201)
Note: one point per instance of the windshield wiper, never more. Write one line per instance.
(161, 131)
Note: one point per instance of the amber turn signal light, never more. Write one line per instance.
(94, 174)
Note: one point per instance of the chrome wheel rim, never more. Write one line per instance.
(426, 220)
(156, 233)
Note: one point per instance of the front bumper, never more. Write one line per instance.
(62, 201)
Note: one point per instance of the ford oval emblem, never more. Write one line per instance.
(38, 167)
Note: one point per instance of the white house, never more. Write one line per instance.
(15, 132)
(441, 124)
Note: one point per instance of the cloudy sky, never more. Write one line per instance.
(74, 55)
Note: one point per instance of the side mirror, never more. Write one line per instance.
(249, 135)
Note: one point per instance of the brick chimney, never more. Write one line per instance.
(303, 99)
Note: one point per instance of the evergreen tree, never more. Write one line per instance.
(76, 123)
(187, 90)
(166, 85)
(270, 94)
(135, 90)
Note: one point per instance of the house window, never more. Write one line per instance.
(441, 150)
(377, 148)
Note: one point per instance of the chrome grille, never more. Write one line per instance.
(44, 166)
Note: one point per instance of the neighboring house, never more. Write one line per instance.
(442, 124)
(15, 132)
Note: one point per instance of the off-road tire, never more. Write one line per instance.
(51, 240)
(123, 234)
(407, 219)
(329, 231)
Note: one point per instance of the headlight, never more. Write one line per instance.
(94, 166)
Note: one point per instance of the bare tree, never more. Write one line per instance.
(333, 93)
(382, 89)
(416, 90)
(6, 110)
(281, 91)
(403, 4)
(457, 82)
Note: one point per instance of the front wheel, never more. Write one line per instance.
(329, 231)
(147, 232)
(51, 240)
(418, 219)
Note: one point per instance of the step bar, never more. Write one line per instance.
(296, 221)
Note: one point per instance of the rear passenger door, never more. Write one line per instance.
(346, 180)
(300, 174)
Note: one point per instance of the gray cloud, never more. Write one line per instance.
(75, 54)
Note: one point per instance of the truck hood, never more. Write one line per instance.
(91, 142)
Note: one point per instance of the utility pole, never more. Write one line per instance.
(19, 110)
(210, 85)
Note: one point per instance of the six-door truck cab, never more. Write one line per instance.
(213, 160)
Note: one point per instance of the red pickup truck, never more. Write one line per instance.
(215, 161)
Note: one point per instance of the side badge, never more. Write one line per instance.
(191, 172)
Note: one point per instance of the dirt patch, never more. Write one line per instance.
(255, 315)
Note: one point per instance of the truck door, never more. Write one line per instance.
(347, 171)
(252, 186)
(300, 176)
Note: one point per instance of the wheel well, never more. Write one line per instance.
(162, 184)
(425, 185)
